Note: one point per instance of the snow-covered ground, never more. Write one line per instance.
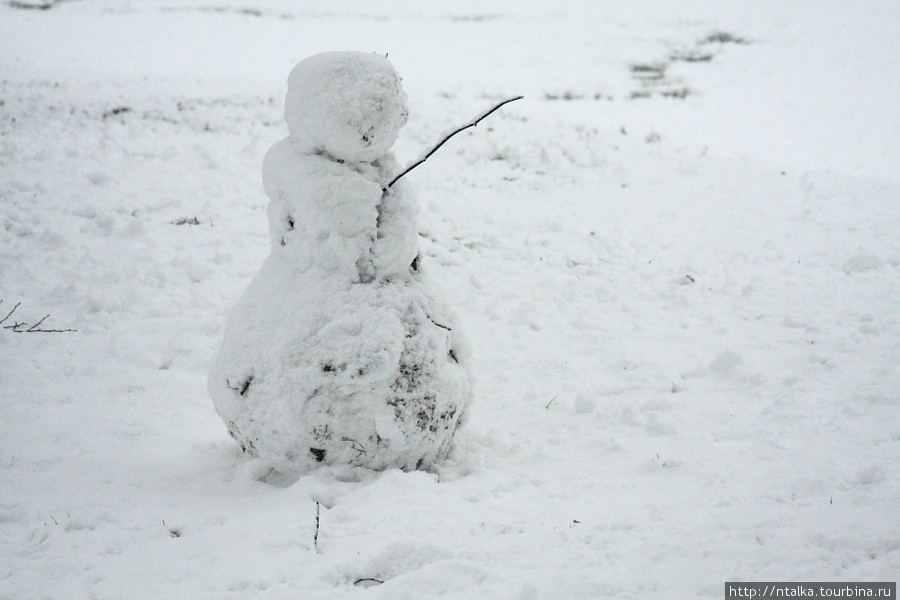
(677, 261)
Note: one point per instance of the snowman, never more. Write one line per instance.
(341, 351)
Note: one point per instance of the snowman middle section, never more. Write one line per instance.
(340, 351)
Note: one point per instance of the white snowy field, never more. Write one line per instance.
(677, 262)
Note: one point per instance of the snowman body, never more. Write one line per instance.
(341, 351)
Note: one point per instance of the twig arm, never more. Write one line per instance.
(444, 140)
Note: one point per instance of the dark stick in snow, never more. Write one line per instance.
(443, 141)
(21, 327)
(316, 536)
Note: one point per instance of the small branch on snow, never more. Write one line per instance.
(3, 320)
(173, 531)
(316, 536)
(22, 327)
(360, 449)
(436, 324)
(444, 140)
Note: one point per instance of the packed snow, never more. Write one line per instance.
(341, 351)
(347, 104)
(676, 262)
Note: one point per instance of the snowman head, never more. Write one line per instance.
(348, 104)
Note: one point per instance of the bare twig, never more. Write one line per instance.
(316, 536)
(23, 327)
(367, 580)
(443, 140)
(9, 314)
(355, 445)
(37, 326)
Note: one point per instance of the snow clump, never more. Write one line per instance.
(341, 350)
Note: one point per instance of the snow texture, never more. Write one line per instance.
(340, 351)
(680, 291)
(348, 104)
